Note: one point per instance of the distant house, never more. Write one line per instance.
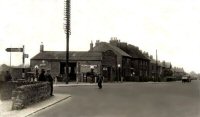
(155, 70)
(178, 72)
(153, 67)
(139, 64)
(158, 69)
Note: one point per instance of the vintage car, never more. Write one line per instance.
(186, 78)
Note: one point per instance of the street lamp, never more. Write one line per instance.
(92, 72)
(92, 67)
(119, 74)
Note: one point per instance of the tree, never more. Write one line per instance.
(4, 67)
(193, 74)
(167, 72)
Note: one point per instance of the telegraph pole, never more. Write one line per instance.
(156, 66)
(23, 62)
(67, 32)
(10, 62)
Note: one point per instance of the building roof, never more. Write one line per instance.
(176, 69)
(166, 64)
(135, 52)
(153, 61)
(73, 55)
(103, 46)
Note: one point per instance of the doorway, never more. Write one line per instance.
(72, 70)
(107, 74)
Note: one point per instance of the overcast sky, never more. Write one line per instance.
(170, 26)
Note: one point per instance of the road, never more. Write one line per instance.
(170, 99)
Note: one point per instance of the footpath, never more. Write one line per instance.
(5, 106)
(71, 84)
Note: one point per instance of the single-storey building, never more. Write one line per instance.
(80, 63)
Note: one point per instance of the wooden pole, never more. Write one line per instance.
(67, 31)
(156, 66)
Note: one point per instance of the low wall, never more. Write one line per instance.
(6, 88)
(27, 94)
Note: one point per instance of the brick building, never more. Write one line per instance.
(138, 65)
(80, 63)
(121, 69)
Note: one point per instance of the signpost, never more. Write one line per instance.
(23, 57)
(14, 49)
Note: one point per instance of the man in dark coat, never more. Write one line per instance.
(99, 80)
(49, 78)
(7, 76)
(42, 76)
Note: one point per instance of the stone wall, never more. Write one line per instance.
(6, 88)
(28, 94)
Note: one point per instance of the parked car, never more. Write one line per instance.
(186, 78)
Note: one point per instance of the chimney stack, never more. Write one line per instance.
(41, 47)
(97, 43)
(114, 41)
(91, 46)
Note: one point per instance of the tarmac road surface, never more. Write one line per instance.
(169, 99)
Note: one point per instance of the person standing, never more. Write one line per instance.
(7, 76)
(42, 76)
(50, 80)
(99, 80)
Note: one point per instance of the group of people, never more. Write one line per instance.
(46, 77)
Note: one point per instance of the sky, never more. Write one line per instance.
(170, 26)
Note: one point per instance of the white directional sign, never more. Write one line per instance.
(14, 49)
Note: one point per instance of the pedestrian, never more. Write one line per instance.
(7, 76)
(50, 80)
(99, 80)
(42, 76)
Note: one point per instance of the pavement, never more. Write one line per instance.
(70, 84)
(5, 106)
